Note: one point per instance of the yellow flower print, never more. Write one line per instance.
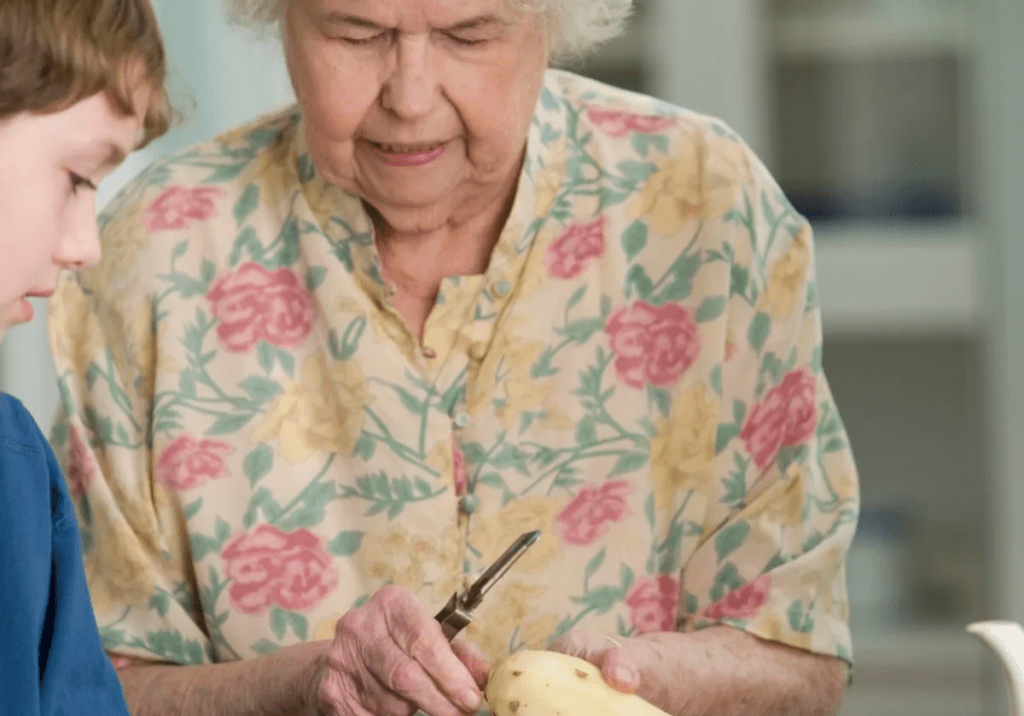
(699, 182)
(441, 459)
(74, 330)
(120, 576)
(523, 394)
(324, 629)
(783, 502)
(550, 179)
(323, 412)
(506, 611)
(788, 277)
(123, 238)
(492, 535)
(394, 542)
(683, 451)
(382, 571)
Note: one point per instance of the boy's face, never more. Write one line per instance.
(50, 165)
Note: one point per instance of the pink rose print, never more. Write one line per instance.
(587, 517)
(253, 305)
(742, 603)
(786, 416)
(655, 345)
(267, 566)
(569, 254)
(653, 604)
(618, 124)
(188, 463)
(178, 206)
(80, 467)
(458, 468)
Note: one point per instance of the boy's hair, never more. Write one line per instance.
(55, 53)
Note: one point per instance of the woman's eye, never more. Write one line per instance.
(467, 41)
(367, 40)
(80, 182)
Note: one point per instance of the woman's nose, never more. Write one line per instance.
(412, 87)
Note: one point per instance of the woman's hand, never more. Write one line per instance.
(389, 658)
(619, 661)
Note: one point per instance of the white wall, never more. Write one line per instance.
(221, 76)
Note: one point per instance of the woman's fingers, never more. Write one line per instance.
(389, 658)
(420, 639)
(474, 659)
(618, 660)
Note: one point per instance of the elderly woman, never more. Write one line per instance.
(335, 361)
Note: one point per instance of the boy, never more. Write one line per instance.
(81, 86)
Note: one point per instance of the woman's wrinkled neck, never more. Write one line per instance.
(452, 239)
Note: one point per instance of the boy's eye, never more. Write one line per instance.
(80, 182)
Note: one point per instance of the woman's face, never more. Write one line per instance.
(51, 166)
(420, 107)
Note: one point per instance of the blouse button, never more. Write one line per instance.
(501, 289)
(461, 420)
(477, 350)
(428, 353)
(468, 504)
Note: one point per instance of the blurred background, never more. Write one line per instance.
(897, 127)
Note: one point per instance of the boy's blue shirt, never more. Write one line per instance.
(51, 658)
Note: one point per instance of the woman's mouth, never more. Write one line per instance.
(409, 155)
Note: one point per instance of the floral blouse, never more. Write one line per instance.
(257, 443)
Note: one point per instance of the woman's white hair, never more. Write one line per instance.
(579, 26)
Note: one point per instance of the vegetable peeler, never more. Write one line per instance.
(458, 612)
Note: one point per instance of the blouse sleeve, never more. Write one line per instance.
(771, 557)
(135, 544)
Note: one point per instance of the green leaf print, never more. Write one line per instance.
(639, 282)
(247, 241)
(634, 239)
(345, 347)
(227, 424)
(834, 445)
(264, 647)
(202, 546)
(586, 432)
(160, 601)
(302, 518)
(637, 172)
(576, 297)
(260, 390)
(759, 330)
(261, 501)
(281, 619)
(346, 544)
(690, 603)
(727, 580)
(511, 456)
(724, 436)
(315, 277)
(111, 638)
(192, 509)
(600, 600)
(247, 203)
(384, 495)
(258, 464)
(582, 330)
(800, 620)
(593, 565)
(661, 398)
(711, 309)
(730, 539)
(629, 463)
(680, 280)
(173, 647)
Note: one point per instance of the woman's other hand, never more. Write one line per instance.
(389, 657)
(618, 661)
